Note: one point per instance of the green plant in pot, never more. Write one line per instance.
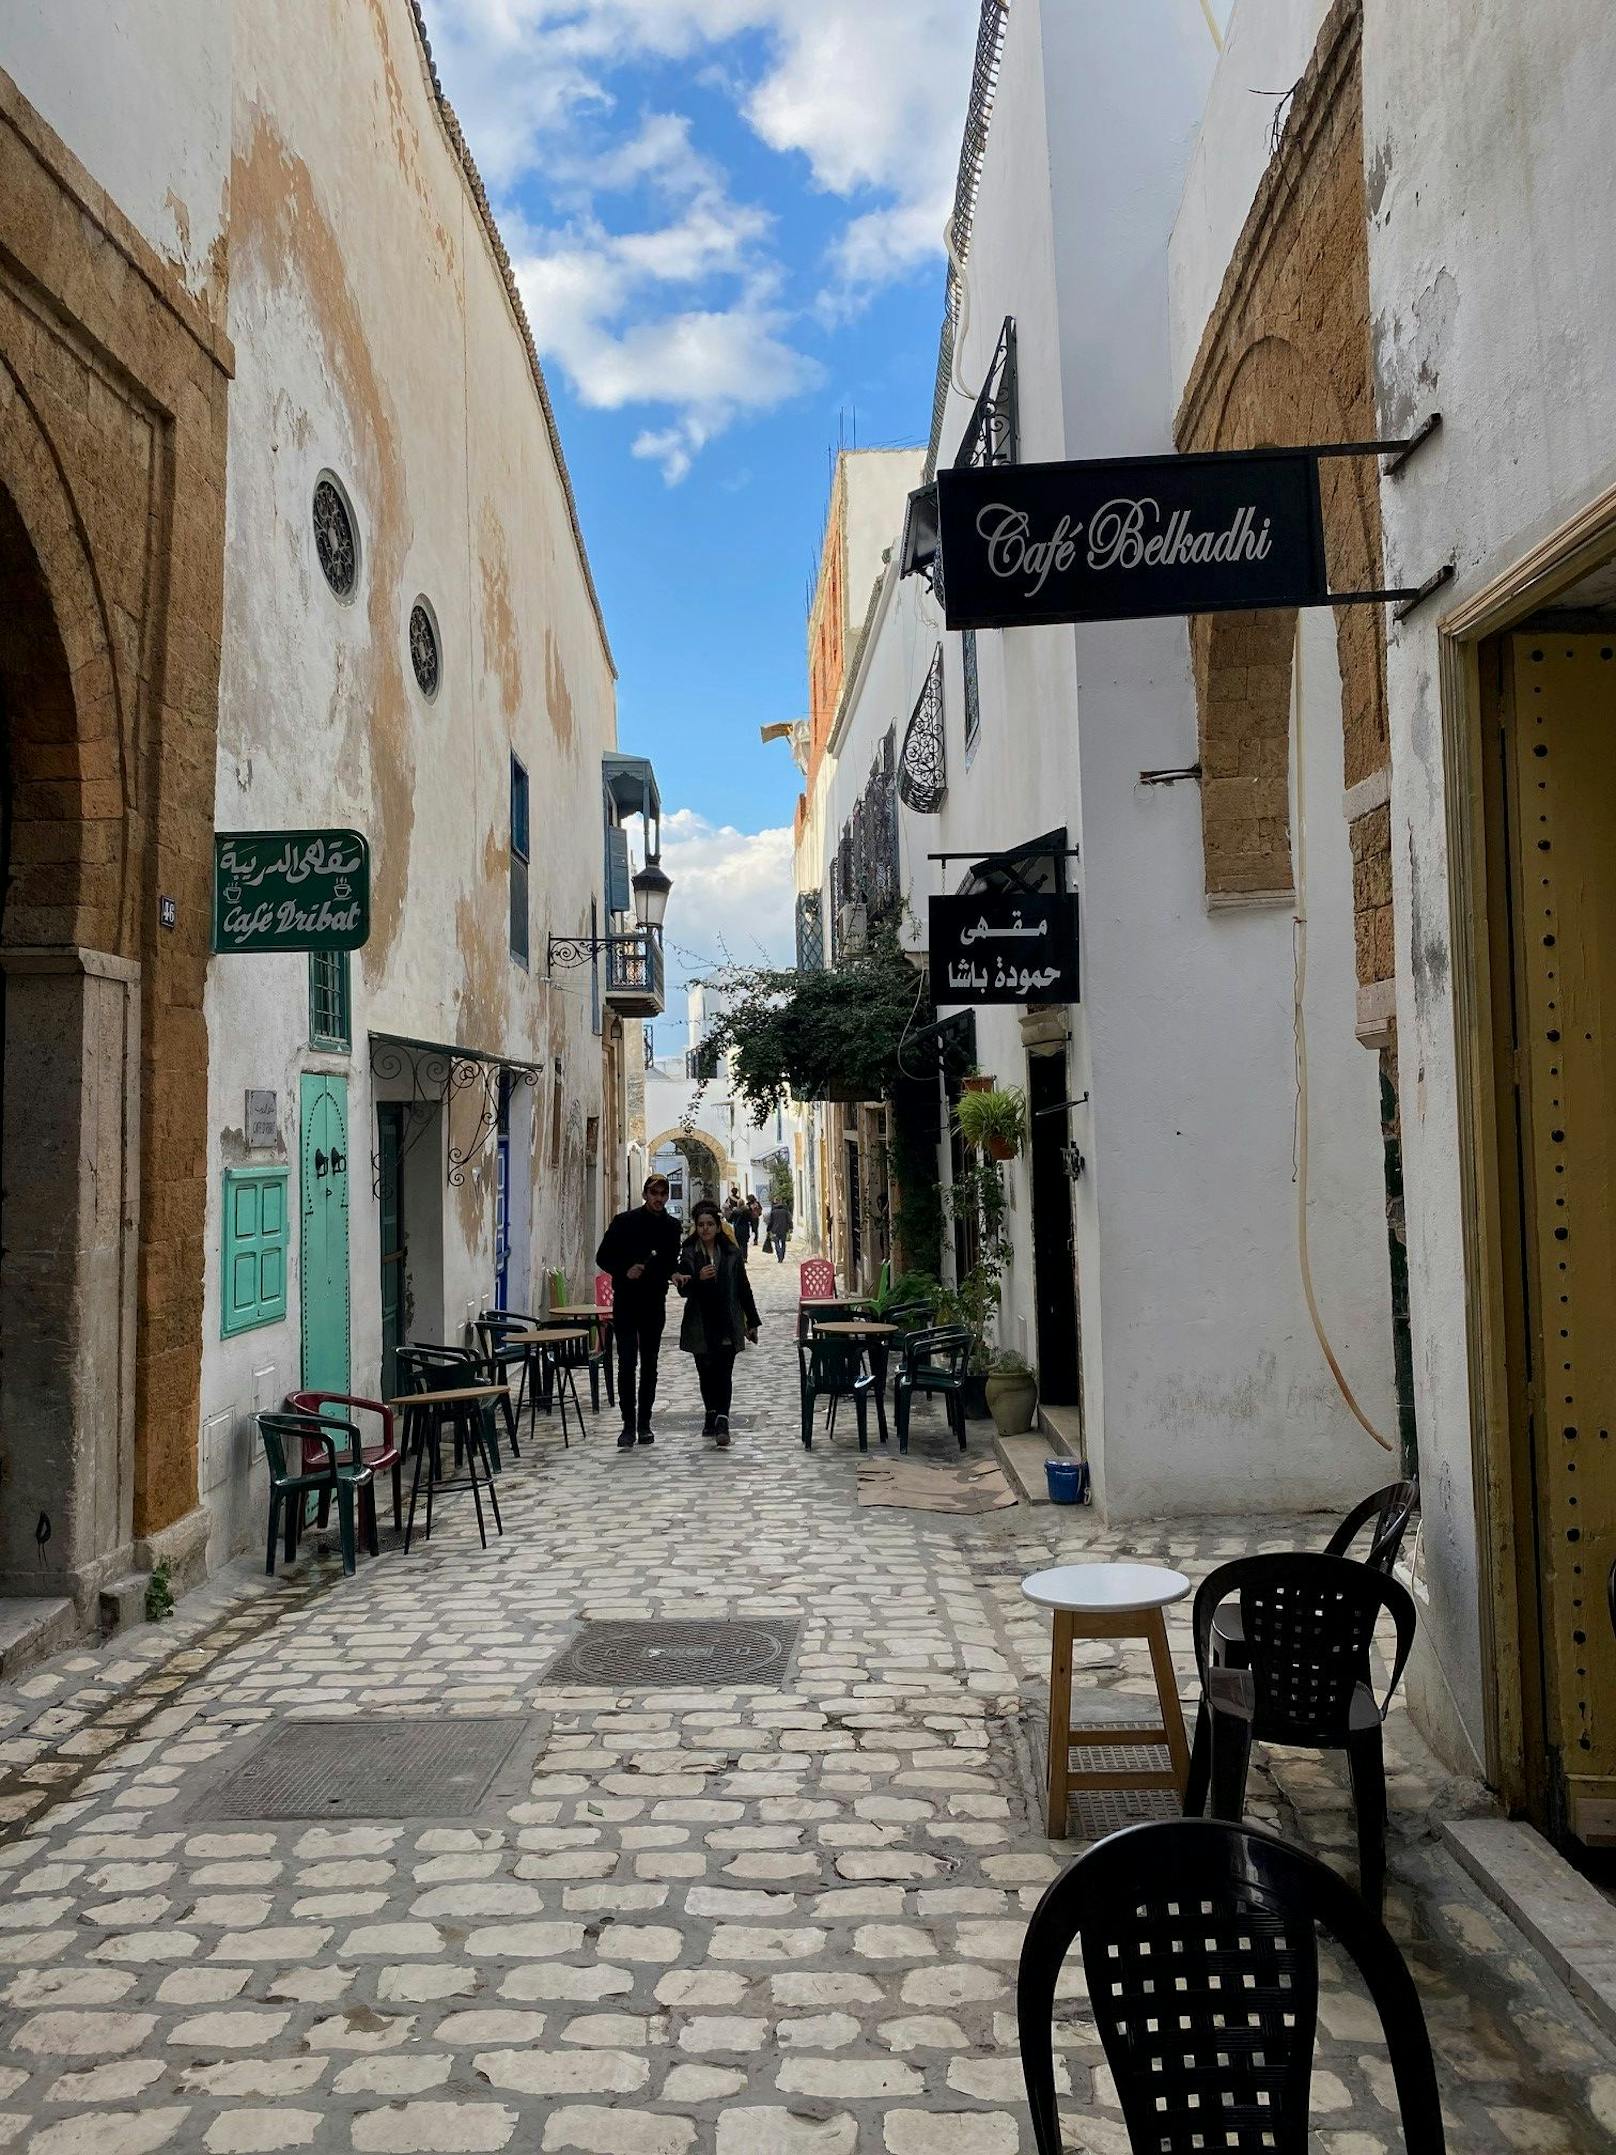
(994, 1121)
(1012, 1393)
(910, 1290)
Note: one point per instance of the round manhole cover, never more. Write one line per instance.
(653, 1654)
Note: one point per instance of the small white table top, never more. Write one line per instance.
(1106, 1587)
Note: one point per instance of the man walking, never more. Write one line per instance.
(640, 1250)
(780, 1226)
(742, 1225)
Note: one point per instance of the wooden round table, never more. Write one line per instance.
(1109, 1601)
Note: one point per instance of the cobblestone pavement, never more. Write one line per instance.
(755, 1921)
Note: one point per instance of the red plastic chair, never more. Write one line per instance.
(381, 1458)
(817, 1278)
(603, 1291)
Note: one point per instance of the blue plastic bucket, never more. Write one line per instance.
(1068, 1480)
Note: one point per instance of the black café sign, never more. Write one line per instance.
(1130, 537)
(1004, 947)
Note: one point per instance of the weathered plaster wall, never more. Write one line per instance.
(379, 342)
(142, 96)
(1486, 146)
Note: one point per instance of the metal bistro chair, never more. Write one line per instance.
(832, 1367)
(387, 1456)
(1200, 1949)
(494, 1327)
(1308, 1623)
(934, 1362)
(1390, 1509)
(434, 1369)
(346, 1480)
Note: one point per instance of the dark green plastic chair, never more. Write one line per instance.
(286, 1435)
(936, 1363)
(832, 1367)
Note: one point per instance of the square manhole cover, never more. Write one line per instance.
(367, 1769)
(678, 1654)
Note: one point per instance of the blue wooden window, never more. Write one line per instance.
(519, 859)
(330, 1025)
(257, 1235)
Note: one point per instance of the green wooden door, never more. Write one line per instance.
(323, 1115)
(390, 1119)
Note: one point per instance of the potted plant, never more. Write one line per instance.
(976, 1081)
(910, 1290)
(1012, 1392)
(995, 1120)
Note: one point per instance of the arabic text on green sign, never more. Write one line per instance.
(290, 890)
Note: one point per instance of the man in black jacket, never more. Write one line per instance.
(640, 1250)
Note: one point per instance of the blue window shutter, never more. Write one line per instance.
(619, 895)
(257, 1232)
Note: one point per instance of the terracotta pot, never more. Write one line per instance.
(976, 1084)
(1003, 1148)
(1012, 1397)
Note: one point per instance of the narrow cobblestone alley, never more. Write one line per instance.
(751, 1921)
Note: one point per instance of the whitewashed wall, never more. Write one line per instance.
(1492, 198)
(374, 338)
(1204, 1388)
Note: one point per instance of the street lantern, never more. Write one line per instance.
(651, 887)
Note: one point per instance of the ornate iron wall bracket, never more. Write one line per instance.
(437, 1076)
(922, 768)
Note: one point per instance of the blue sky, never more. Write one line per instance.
(726, 218)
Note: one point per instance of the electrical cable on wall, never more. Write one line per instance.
(1299, 1028)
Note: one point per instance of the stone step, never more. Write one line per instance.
(1022, 1459)
(32, 1630)
(1569, 1920)
(1063, 1426)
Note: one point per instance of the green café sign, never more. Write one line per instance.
(290, 890)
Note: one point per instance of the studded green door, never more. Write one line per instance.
(323, 1115)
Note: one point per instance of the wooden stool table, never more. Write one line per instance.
(1109, 1601)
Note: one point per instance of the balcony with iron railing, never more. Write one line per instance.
(634, 974)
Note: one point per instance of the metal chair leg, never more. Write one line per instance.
(1199, 1784)
(809, 1402)
(274, 1532)
(477, 1499)
(861, 1413)
(415, 1489)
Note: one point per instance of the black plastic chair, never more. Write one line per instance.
(1308, 1623)
(935, 1363)
(1389, 1512)
(1200, 1950)
(832, 1367)
(350, 1479)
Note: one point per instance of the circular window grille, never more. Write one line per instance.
(424, 648)
(336, 540)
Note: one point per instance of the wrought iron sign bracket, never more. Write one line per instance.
(568, 951)
(1416, 442)
(1421, 592)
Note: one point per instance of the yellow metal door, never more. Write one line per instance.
(1562, 761)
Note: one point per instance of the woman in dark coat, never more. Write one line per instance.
(720, 1314)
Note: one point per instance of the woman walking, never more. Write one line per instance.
(720, 1315)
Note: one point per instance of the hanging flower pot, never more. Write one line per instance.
(994, 1121)
(976, 1083)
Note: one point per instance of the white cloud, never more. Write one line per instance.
(733, 895)
(869, 93)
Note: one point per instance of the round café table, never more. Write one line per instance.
(558, 1379)
(1108, 1601)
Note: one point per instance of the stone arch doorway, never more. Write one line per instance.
(707, 1169)
(69, 1073)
